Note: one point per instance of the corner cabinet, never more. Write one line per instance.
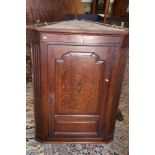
(77, 77)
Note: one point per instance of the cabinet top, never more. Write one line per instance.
(80, 26)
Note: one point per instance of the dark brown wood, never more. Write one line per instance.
(94, 6)
(106, 9)
(120, 7)
(77, 82)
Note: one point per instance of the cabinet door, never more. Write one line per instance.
(78, 82)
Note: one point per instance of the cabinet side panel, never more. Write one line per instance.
(36, 87)
(121, 55)
(40, 99)
(119, 79)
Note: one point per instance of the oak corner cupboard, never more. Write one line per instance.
(77, 73)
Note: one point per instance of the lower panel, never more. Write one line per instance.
(75, 126)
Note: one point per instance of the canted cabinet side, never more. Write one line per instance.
(37, 88)
(115, 89)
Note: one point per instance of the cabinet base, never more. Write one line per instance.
(75, 141)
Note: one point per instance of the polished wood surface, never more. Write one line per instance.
(77, 82)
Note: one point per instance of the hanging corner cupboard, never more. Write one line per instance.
(77, 73)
